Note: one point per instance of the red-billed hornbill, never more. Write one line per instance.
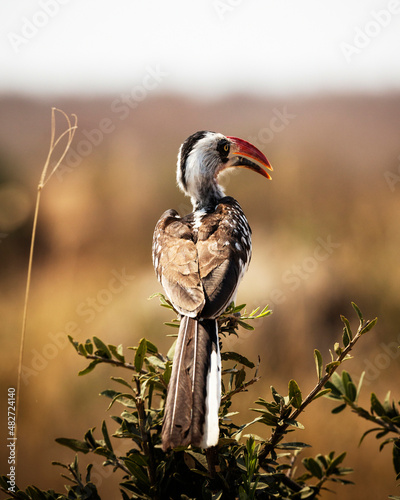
(200, 259)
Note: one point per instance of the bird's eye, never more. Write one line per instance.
(223, 148)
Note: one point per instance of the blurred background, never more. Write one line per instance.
(314, 86)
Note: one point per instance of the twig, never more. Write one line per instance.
(111, 361)
(241, 388)
(145, 434)
(43, 181)
(212, 460)
(279, 431)
(388, 426)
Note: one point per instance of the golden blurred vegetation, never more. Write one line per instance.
(325, 232)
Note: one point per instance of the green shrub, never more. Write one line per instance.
(242, 465)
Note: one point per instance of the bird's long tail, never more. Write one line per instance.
(194, 390)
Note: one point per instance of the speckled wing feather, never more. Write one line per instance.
(224, 252)
(176, 263)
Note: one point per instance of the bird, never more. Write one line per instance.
(200, 259)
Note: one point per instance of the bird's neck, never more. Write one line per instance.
(206, 196)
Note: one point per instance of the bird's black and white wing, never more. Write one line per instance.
(224, 252)
(201, 262)
(175, 261)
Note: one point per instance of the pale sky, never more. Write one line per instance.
(206, 47)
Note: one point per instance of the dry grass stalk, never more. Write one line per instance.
(45, 177)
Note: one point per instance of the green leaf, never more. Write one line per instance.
(167, 372)
(359, 314)
(73, 342)
(139, 459)
(199, 457)
(351, 391)
(396, 456)
(346, 337)
(138, 472)
(102, 348)
(234, 356)
(322, 393)
(89, 368)
(265, 312)
(163, 301)
(123, 398)
(347, 326)
(82, 350)
(59, 464)
(74, 444)
(296, 445)
(335, 463)
(151, 348)
(174, 325)
(368, 326)
(236, 309)
(360, 384)
(318, 363)
(293, 423)
(331, 367)
(337, 348)
(339, 408)
(106, 436)
(244, 325)
(240, 378)
(140, 354)
(295, 396)
(90, 438)
(376, 406)
(155, 361)
(89, 346)
(375, 429)
(117, 352)
(277, 397)
(122, 381)
(171, 352)
(313, 466)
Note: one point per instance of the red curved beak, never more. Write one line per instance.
(248, 156)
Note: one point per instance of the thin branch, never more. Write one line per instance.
(71, 131)
(280, 430)
(110, 361)
(242, 388)
(388, 426)
(145, 434)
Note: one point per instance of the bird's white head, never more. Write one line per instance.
(204, 155)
